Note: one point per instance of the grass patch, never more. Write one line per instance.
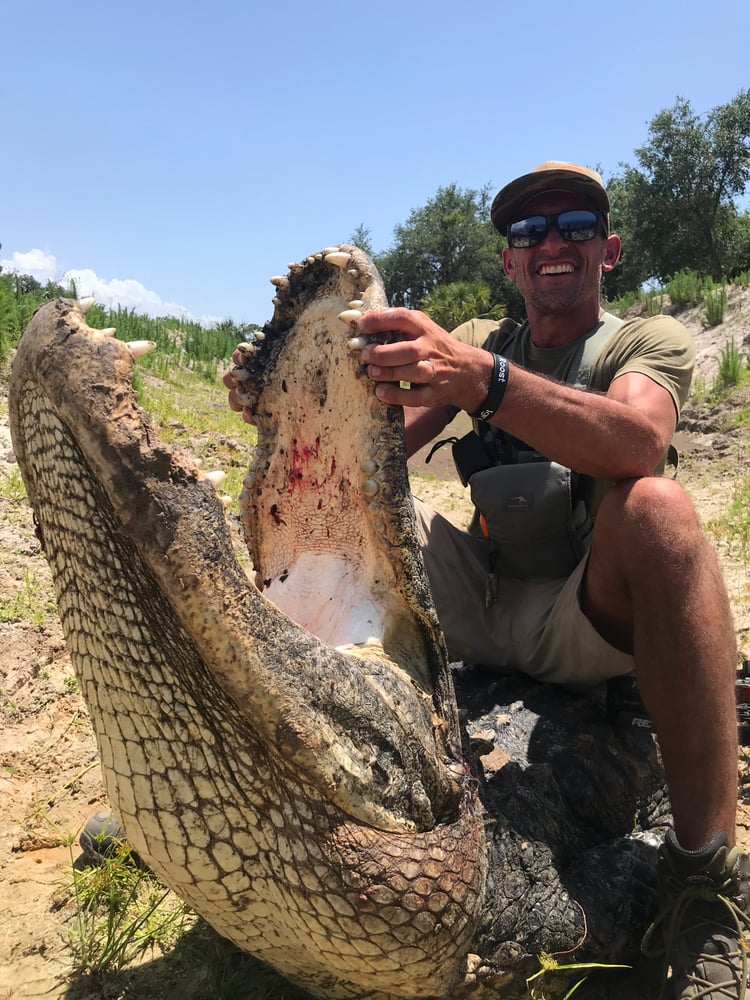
(33, 601)
(733, 527)
(122, 912)
(192, 413)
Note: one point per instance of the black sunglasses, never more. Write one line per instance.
(575, 226)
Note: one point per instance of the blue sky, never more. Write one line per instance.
(176, 155)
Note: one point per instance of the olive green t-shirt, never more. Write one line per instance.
(658, 346)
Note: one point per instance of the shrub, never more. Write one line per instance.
(716, 305)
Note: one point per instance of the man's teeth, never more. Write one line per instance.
(556, 269)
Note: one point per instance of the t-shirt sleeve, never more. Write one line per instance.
(659, 347)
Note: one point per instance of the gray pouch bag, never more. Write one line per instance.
(536, 529)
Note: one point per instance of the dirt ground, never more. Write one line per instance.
(50, 781)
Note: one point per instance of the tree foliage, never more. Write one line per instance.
(450, 239)
(677, 209)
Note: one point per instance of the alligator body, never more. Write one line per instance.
(291, 754)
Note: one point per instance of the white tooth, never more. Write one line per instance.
(217, 477)
(357, 343)
(350, 315)
(198, 462)
(85, 304)
(140, 347)
(275, 300)
(354, 272)
(294, 267)
(226, 500)
(279, 280)
(239, 374)
(259, 335)
(330, 250)
(339, 258)
(356, 304)
(370, 487)
(108, 331)
(310, 259)
(369, 466)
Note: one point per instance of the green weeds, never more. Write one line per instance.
(121, 913)
(733, 527)
(716, 305)
(33, 601)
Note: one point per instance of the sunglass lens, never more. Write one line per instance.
(528, 232)
(578, 225)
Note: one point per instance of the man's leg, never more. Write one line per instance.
(654, 588)
(653, 585)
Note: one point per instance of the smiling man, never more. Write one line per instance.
(584, 563)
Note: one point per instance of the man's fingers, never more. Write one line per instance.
(408, 322)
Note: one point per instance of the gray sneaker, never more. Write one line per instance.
(705, 899)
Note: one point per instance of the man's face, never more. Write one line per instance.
(557, 276)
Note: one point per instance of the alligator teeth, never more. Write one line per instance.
(310, 259)
(339, 258)
(294, 267)
(85, 304)
(259, 335)
(276, 300)
(226, 500)
(217, 477)
(330, 250)
(357, 343)
(239, 374)
(369, 466)
(110, 331)
(374, 507)
(356, 304)
(370, 487)
(247, 348)
(353, 271)
(280, 280)
(350, 315)
(139, 347)
(245, 398)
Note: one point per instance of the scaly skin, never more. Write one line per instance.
(307, 794)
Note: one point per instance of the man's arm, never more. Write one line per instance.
(618, 435)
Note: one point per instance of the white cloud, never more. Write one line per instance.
(38, 263)
(109, 292)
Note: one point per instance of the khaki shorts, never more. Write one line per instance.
(536, 626)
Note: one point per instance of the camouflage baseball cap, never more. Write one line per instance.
(552, 175)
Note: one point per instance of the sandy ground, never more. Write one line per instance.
(50, 781)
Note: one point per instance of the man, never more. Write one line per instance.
(625, 580)
(648, 596)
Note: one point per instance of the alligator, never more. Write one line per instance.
(288, 748)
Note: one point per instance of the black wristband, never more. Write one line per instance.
(496, 391)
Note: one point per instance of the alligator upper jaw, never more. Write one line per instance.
(362, 733)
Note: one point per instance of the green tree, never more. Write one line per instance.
(361, 238)
(450, 239)
(454, 304)
(678, 209)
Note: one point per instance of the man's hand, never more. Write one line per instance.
(441, 370)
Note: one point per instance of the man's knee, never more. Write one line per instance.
(639, 518)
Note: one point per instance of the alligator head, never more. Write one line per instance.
(286, 752)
